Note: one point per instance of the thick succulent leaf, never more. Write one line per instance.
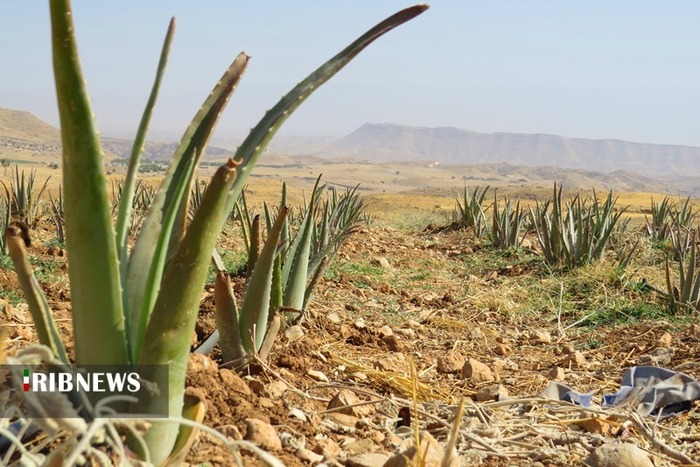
(256, 300)
(38, 306)
(169, 333)
(227, 319)
(150, 252)
(96, 289)
(128, 191)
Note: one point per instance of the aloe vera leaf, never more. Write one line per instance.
(259, 137)
(227, 321)
(38, 306)
(317, 274)
(129, 188)
(254, 246)
(169, 332)
(148, 257)
(256, 300)
(194, 409)
(96, 289)
(272, 330)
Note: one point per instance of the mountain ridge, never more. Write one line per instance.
(387, 142)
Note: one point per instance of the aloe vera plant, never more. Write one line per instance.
(140, 306)
(24, 202)
(577, 232)
(685, 296)
(508, 224)
(289, 261)
(470, 212)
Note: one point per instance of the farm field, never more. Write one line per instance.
(478, 323)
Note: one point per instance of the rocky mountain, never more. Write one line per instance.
(390, 142)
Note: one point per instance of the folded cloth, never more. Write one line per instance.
(652, 390)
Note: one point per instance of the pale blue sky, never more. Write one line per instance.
(600, 69)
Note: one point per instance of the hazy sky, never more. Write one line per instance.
(600, 69)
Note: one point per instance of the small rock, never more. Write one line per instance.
(275, 389)
(360, 446)
(360, 323)
(476, 334)
(493, 392)
(392, 343)
(577, 360)
(664, 340)
(395, 362)
(451, 362)
(385, 331)
(413, 324)
(381, 262)
(232, 381)
(349, 421)
(502, 350)
(328, 448)
(540, 337)
(477, 372)
(231, 431)
(294, 333)
(368, 459)
(54, 251)
(307, 456)
(568, 349)
(556, 374)
(200, 363)
(318, 376)
(333, 318)
(618, 455)
(346, 398)
(406, 332)
(262, 434)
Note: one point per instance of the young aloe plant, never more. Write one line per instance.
(470, 212)
(508, 222)
(140, 306)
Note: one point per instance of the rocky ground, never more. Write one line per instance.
(404, 327)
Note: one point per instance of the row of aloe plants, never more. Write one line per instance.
(138, 306)
(569, 233)
(282, 271)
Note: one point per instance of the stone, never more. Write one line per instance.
(395, 362)
(262, 434)
(540, 337)
(333, 318)
(307, 456)
(556, 374)
(477, 372)
(392, 343)
(381, 262)
(345, 398)
(327, 448)
(450, 362)
(275, 389)
(385, 331)
(577, 360)
(618, 455)
(318, 376)
(200, 363)
(493, 392)
(349, 421)
(664, 340)
(502, 350)
(360, 446)
(294, 333)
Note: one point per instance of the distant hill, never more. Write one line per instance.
(24, 136)
(390, 142)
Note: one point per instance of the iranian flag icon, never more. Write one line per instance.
(26, 380)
